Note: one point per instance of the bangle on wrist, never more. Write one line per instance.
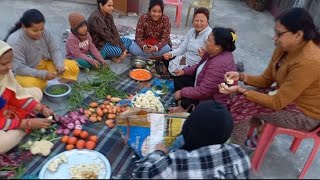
(28, 126)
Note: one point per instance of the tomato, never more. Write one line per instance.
(69, 147)
(64, 139)
(76, 132)
(110, 123)
(84, 134)
(93, 138)
(72, 140)
(90, 145)
(80, 144)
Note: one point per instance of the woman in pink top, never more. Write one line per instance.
(79, 45)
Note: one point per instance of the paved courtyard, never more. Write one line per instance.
(254, 48)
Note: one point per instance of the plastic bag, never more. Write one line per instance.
(142, 129)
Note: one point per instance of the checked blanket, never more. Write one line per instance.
(121, 157)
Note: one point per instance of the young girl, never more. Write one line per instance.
(79, 44)
(153, 33)
(37, 57)
(104, 32)
(17, 104)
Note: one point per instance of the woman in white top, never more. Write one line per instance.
(191, 50)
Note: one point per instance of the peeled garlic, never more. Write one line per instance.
(271, 93)
(224, 85)
(229, 81)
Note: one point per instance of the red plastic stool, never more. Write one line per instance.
(268, 135)
(178, 4)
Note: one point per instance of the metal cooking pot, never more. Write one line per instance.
(138, 62)
(60, 97)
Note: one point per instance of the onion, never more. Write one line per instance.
(60, 131)
(71, 114)
(82, 119)
(66, 131)
(81, 111)
(77, 122)
(70, 126)
(78, 127)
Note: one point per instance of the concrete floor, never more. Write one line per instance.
(254, 47)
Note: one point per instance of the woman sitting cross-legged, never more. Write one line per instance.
(190, 51)
(205, 153)
(209, 72)
(294, 67)
(17, 105)
(104, 33)
(152, 33)
(79, 44)
(37, 57)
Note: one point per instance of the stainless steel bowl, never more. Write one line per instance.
(138, 62)
(57, 98)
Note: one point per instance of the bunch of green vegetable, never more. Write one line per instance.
(100, 85)
(48, 134)
(11, 172)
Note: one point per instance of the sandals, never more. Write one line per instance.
(176, 109)
(251, 143)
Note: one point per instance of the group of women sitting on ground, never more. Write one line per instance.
(288, 93)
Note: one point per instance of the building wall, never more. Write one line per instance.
(313, 6)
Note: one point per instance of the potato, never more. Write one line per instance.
(115, 99)
(106, 102)
(93, 119)
(99, 111)
(92, 110)
(108, 97)
(93, 104)
(111, 116)
(110, 123)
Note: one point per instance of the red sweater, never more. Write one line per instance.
(149, 30)
(15, 110)
(80, 49)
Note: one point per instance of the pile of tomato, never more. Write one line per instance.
(80, 140)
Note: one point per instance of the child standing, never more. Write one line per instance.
(79, 44)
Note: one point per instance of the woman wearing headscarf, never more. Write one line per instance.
(17, 105)
(204, 155)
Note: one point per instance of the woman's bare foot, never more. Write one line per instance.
(176, 109)
(66, 81)
(116, 60)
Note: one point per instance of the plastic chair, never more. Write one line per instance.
(199, 3)
(178, 4)
(268, 135)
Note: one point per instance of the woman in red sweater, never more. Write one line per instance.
(153, 33)
(17, 105)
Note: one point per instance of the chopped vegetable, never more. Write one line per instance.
(58, 90)
(140, 74)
